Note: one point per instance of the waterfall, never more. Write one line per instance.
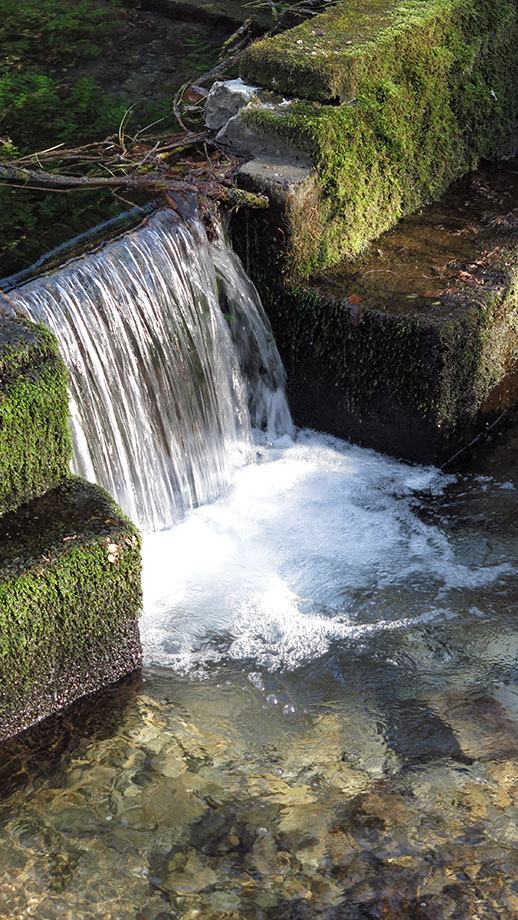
(164, 382)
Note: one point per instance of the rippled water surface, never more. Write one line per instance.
(327, 721)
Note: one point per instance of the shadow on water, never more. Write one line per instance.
(44, 750)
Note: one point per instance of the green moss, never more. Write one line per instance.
(70, 597)
(321, 59)
(409, 385)
(429, 90)
(35, 448)
(412, 348)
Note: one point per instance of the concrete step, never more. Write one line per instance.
(70, 597)
(390, 101)
(413, 348)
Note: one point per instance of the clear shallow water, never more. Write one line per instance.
(327, 722)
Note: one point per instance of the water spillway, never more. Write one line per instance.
(328, 714)
(160, 410)
(176, 387)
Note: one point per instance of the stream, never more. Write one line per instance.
(326, 725)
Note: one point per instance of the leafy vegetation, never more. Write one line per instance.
(39, 44)
(48, 98)
(42, 105)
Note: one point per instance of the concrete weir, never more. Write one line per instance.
(70, 591)
(397, 319)
(413, 348)
(355, 120)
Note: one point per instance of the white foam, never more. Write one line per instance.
(316, 542)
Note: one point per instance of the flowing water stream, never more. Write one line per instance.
(159, 407)
(327, 721)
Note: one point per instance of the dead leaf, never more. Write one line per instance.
(468, 278)
(194, 94)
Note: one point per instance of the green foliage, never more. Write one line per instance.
(53, 33)
(39, 43)
(200, 53)
(41, 106)
(33, 108)
(26, 99)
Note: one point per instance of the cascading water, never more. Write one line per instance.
(351, 749)
(172, 362)
(159, 405)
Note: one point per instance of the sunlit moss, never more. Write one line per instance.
(426, 89)
(35, 447)
(70, 597)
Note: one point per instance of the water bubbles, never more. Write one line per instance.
(256, 678)
(321, 546)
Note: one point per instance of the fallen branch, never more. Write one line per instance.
(10, 173)
(153, 182)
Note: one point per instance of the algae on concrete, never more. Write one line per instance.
(35, 446)
(425, 89)
(70, 591)
(70, 597)
(413, 348)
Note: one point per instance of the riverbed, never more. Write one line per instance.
(326, 725)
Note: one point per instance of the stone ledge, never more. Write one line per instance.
(324, 57)
(35, 448)
(70, 597)
(426, 92)
(412, 349)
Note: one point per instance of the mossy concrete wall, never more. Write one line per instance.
(70, 599)
(35, 447)
(412, 349)
(396, 101)
(415, 387)
(70, 592)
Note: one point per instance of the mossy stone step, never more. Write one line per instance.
(425, 89)
(413, 349)
(35, 447)
(70, 597)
